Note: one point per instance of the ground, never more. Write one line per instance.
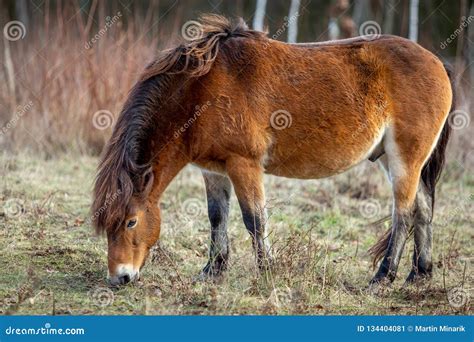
(53, 263)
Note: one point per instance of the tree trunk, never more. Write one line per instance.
(389, 16)
(470, 53)
(293, 21)
(21, 10)
(259, 17)
(413, 28)
(362, 12)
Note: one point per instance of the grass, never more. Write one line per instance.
(52, 263)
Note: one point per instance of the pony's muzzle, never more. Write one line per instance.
(124, 274)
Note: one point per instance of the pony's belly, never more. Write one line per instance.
(307, 169)
(320, 162)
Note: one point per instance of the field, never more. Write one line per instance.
(53, 263)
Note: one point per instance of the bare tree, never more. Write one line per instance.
(362, 12)
(389, 16)
(293, 21)
(21, 10)
(470, 43)
(413, 24)
(259, 16)
(340, 23)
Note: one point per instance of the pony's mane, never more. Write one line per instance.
(126, 160)
(196, 57)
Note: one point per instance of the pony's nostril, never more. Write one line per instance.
(124, 279)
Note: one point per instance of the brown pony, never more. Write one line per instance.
(293, 110)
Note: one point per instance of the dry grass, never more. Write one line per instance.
(56, 78)
(53, 264)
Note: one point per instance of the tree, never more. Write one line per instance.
(389, 16)
(471, 49)
(259, 16)
(293, 21)
(413, 24)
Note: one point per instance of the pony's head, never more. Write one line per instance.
(124, 205)
(123, 210)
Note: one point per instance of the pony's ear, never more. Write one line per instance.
(147, 182)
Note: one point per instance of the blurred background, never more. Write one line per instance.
(65, 71)
(62, 62)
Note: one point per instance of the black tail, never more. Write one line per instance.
(430, 173)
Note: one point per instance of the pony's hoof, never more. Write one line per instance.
(379, 285)
(208, 273)
(417, 277)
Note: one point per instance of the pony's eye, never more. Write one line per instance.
(131, 223)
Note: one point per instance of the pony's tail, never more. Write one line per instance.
(430, 173)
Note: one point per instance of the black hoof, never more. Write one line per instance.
(418, 276)
(211, 271)
(379, 285)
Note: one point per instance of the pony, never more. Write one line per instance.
(303, 111)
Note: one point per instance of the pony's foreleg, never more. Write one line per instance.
(218, 189)
(422, 264)
(247, 178)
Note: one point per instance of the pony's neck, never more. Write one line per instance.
(166, 165)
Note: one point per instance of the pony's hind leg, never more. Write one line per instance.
(404, 182)
(422, 264)
(247, 177)
(218, 189)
